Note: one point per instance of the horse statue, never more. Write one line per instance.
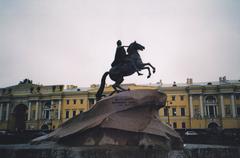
(132, 63)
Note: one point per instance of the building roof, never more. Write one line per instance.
(214, 83)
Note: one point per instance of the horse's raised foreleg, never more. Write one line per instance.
(153, 68)
(149, 72)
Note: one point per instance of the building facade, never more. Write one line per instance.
(189, 105)
(33, 107)
(202, 105)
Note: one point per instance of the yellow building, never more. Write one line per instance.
(32, 107)
(202, 105)
(176, 112)
(189, 105)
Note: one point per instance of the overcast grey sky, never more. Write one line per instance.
(74, 41)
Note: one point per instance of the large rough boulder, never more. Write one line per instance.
(127, 118)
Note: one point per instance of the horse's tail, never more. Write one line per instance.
(101, 88)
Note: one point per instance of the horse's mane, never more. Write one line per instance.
(130, 48)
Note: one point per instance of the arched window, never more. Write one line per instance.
(211, 106)
(46, 110)
(211, 100)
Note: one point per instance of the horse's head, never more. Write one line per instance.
(133, 47)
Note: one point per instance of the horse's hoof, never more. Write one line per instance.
(148, 76)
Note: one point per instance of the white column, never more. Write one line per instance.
(201, 106)
(29, 110)
(191, 107)
(7, 111)
(222, 106)
(36, 111)
(59, 109)
(1, 107)
(233, 105)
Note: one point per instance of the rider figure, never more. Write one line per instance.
(121, 55)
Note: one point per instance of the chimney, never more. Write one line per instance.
(189, 80)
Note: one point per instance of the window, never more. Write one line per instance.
(196, 111)
(68, 102)
(237, 96)
(46, 116)
(33, 113)
(182, 111)
(174, 112)
(91, 101)
(53, 88)
(74, 101)
(67, 114)
(211, 106)
(56, 113)
(210, 100)
(4, 113)
(81, 101)
(46, 110)
(165, 111)
(173, 98)
(183, 125)
(74, 113)
(212, 110)
(238, 110)
(228, 110)
(174, 125)
(182, 97)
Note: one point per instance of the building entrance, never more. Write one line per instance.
(20, 117)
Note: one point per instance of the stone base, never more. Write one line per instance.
(56, 151)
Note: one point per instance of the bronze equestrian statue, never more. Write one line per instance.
(121, 57)
(125, 66)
